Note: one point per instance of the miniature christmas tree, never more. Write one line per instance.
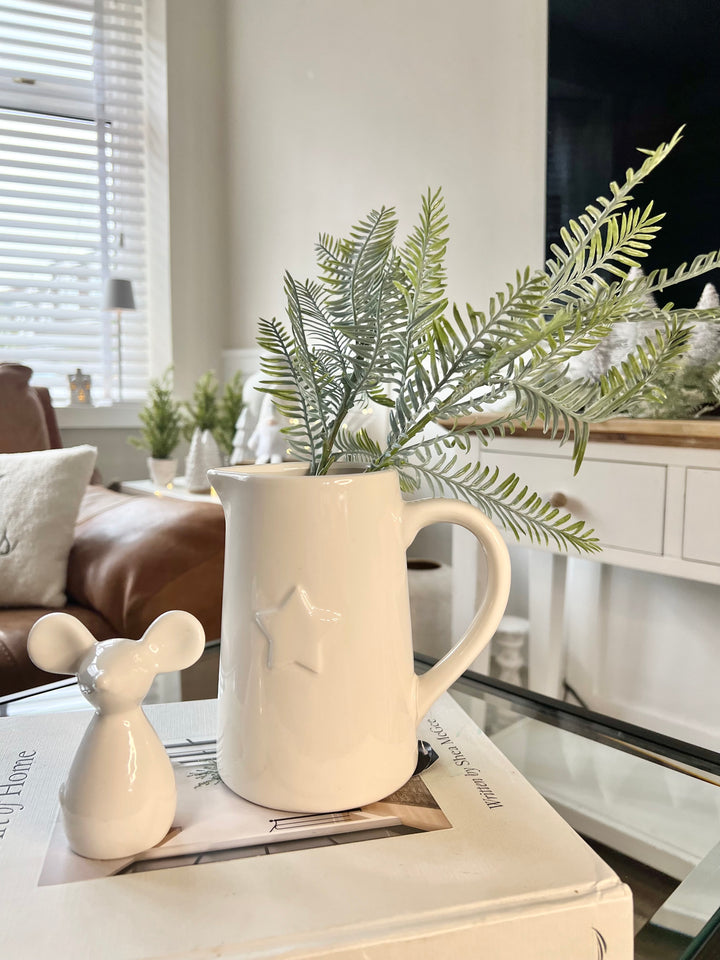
(229, 408)
(202, 411)
(161, 420)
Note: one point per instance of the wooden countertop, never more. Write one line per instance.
(666, 433)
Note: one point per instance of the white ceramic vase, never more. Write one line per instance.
(318, 699)
(162, 472)
(203, 455)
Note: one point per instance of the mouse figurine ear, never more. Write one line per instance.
(58, 643)
(173, 642)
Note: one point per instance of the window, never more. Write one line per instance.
(72, 191)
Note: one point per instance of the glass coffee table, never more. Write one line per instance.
(649, 804)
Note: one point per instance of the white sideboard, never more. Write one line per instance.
(655, 508)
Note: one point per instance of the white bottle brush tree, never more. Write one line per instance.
(201, 414)
(375, 325)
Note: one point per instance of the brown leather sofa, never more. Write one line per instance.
(132, 558)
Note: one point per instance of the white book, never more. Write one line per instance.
(494, 871)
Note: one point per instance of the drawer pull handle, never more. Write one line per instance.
(558, 499)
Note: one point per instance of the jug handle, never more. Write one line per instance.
(421, 513)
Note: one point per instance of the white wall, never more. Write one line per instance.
(336, 107)
(650, 657)
(198, 186)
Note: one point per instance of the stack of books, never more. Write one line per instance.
(467, 860)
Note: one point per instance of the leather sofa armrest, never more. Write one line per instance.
(43, 395)
(133, 558)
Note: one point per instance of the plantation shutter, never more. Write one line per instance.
(72, 190)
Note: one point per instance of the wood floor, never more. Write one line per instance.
(650, 889)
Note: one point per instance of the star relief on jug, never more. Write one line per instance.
(296, 631)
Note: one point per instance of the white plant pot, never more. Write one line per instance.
(318, 701)
(203, 455)
(162, 472)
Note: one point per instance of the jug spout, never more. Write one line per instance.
(222, 481)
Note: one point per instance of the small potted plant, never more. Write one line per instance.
(229, 409)
(161, 420)
(201, 418)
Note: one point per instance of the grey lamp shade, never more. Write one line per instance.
(118, 294)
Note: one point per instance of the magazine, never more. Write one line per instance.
(212, 823)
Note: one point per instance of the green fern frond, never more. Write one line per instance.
(285, 385)
(353, 271)
(312, 373)
(326, 339)
(567, 407)
(360, 277)
(422, 258)
(659, 280)
(684, 315)
(357, 447)
(458, 438)
(585, 251)
(626, 240)
(375, 325)
(459, 356)
(421, 284)
(506, 499)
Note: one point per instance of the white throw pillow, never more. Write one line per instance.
(40, 494)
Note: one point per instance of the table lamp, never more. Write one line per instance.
(118, 297)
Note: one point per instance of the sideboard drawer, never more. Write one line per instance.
(701, 532)
(624, 502)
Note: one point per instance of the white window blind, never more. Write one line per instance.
(72, 190)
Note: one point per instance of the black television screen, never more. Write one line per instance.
(624, 74)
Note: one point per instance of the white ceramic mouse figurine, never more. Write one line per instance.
(119, 797)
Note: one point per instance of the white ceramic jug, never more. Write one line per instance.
(319, 701)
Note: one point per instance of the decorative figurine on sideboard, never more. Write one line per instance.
(258, 431)
(80, 384)
(201, 413)
(119, 797)
(247, 421)
(267, 441)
